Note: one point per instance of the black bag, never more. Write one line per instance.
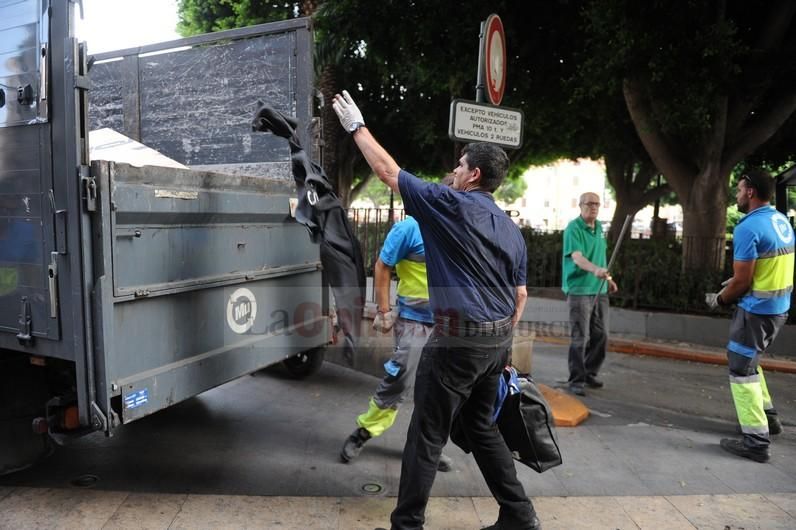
(527, 426)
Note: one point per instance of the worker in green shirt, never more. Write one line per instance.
(584, 276)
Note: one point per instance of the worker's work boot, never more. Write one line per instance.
(737, 447)
(354, 443)
(774, 425)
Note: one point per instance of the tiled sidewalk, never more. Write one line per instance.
(22, 508)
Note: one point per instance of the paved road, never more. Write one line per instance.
(654, 432)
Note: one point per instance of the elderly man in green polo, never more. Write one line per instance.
(585, 277)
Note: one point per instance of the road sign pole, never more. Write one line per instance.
(480, 90)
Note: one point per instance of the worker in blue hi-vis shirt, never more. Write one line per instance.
(761, 286)
(403, 251)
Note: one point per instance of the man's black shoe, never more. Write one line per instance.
(536, 524)
(737, 447)
(353, 444)
(577, 390)
(593, 382)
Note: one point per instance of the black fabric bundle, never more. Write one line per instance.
(320, 210)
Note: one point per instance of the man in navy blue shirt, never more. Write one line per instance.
(476, 261)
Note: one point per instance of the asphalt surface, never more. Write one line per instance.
(654, 430)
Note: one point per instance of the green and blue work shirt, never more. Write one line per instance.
(403, 249)
(765, 235)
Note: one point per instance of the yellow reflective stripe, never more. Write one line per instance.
(778, 252)
(773, 274)
(767, 403)
(413, 280)
(772, 294)
(748, 398)
(377, 420)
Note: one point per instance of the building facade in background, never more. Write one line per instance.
(551, 198)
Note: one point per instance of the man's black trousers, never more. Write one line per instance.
(459, 375)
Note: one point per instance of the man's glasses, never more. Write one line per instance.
(591, 204)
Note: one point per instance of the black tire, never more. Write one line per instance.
(23, 393)
(305, 363)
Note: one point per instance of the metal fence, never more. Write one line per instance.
(371, 226)
(649, 271)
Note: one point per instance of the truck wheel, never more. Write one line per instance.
(305, 363)
(23, 393)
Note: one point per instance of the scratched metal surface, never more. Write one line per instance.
(105, 97)
(196, 104)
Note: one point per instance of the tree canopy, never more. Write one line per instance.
(688, 92)
(405, 63)
(706, 85)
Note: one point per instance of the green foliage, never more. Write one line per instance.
(696, 61)
(205, 16)
(690, 56)
(377, 193)
(405, 63)
(733, 217)
(544, 257)
(648, 272)
(511, 190)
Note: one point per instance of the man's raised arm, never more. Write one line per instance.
(376, 156)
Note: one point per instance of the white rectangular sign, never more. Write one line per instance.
(480, 122)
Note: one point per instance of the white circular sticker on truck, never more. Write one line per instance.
(241, 310)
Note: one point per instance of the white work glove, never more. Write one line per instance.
(712, 300)
(384, 321)
(350, 117)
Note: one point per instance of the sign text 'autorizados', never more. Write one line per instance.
(478, 122)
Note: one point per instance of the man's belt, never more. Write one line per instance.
(468, 329)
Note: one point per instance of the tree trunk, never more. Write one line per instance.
(701, 187)
(347, 154)
(330, 128)
(704, 223)
(631, 180)
(623, 209)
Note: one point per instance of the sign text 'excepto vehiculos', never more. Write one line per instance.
(478, 122)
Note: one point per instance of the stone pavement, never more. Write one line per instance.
(262, 451)
(89, 509)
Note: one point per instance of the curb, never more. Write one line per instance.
(681, 354)
(568, 411)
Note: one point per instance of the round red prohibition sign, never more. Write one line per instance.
(495, 59)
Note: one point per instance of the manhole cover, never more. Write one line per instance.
(84, 481)
(371, 488)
